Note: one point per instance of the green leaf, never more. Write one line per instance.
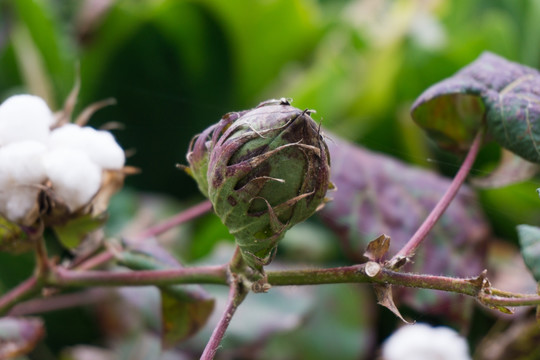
(529, 241)
(503, 94)
(18, 336)
(185, 308)
(182, 318)
(12, 238)
(72, 233)
(38, 17)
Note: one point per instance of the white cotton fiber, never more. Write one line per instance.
(423, 342)
(99, 145)
(21, 163)
(24, 117)
(75, 177)
(18, 201)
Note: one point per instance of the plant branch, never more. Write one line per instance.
(237, 294)
(420, 234)
(182, 217)
(357, 274)
(60, 302)
(42, 259)
(178, 219)
(191, 275)
(24, 290)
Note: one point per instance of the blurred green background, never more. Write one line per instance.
(176, 66)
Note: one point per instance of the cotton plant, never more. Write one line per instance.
(424, 342)
(52, 171)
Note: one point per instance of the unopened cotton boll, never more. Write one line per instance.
(21, 163)
(75, 177)
(423, 342)
(99, 145)
(24, 117)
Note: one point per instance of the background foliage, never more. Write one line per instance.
(175, 67)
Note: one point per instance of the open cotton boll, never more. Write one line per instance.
(99, 145)
(423, 342)
(21, 163)
(75, 177)
(24, 117)
(18, 201)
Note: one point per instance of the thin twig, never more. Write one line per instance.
(420, 234)
(24, 290)
(192, 275)
(42, 259)
(60, 302)
(178, 219)
(237, 294)
(184, 216)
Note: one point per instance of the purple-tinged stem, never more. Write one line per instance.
(192, 275)
(182, 217)
(237, 294)
(420, 234)
(24, 290)
(60, 302)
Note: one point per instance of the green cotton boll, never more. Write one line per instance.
(267, 169)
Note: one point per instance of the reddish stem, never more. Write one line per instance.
(24, 290)
(204, 274)
(409, 248)
(237, 294)
(176, 220)
(60, 302)
(180, 218)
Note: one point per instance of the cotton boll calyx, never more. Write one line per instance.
(24, 117)
(423, 342)
(74, 176)
(99, 145)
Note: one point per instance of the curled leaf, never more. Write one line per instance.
(492, 90)
(377, 248)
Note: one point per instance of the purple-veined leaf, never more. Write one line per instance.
(18, 336)
(503, 94)
(377, 194)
